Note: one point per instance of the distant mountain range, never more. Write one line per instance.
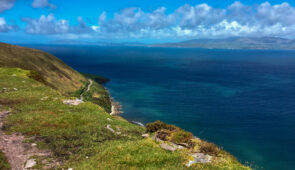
(98, 43)
(235, 43)
(225, 43)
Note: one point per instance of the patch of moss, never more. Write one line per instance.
(4, 165)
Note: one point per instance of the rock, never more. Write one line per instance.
(15, 89)
(70, 168)
(44, 98)
(30, 163)
(145, 135)
(109, 119)
(34, 144)
(199, 158)
(168, 147)
(109, 127)
(73, 102)
(184, 145)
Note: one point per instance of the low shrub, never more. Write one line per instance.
(209, 148)
(163, 135)
(181, 137)
(36, 76)
(158, 125)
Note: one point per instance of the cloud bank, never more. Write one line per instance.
(187, 21)
(4, 27)
(42, 4)
(6, 4)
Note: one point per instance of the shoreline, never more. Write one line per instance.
(117, 110)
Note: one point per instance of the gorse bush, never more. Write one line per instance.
(209, 148)
(181, 137)
(158, 125)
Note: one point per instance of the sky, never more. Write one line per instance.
(146, 21)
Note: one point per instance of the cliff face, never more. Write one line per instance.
(85, 136)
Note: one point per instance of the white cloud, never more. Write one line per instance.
(187, 21)
(50, 25)
(4, 27)
(6, 4)
(42, 4)
(203, 20)
(46, 25)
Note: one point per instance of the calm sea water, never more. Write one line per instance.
(242, 100)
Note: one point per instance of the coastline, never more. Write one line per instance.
(117, 109)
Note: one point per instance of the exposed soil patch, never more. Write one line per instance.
(18, 152)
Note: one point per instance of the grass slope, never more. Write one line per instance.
(54, 72)
(78, 135)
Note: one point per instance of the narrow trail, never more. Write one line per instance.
(88, 88)
(16, 151)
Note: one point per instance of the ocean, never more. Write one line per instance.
(242, 100)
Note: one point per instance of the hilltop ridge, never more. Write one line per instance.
(52, 71)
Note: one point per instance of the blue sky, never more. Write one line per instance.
(149, 21)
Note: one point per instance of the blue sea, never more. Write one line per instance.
(242, 100)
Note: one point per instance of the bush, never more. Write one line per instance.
(36, 76)
(158, 125)
(209, 148)
(163, 135)
(181, 137)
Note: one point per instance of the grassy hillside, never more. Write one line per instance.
(78, 136)
(52, 71)
(86, 136)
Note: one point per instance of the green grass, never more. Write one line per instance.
(98, 95)
(53, 71)
(4, 165)
(78, 135)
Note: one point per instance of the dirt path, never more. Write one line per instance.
(88, 88)
(17, 152)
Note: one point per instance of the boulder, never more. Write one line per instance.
(30, 163)
(146, 135)
(199, 158)
(168, 147)
(73, 102)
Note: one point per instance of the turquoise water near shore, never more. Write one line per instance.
(242, 100)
